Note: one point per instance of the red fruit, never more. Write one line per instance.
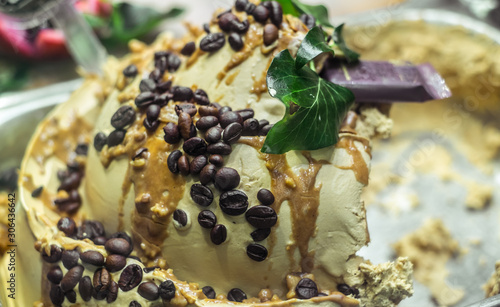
(50, 44)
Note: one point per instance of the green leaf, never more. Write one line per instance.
(315, 107)
(320, 12)
(312, 45)
(95, 21)
(288, 7)
(13, 76)
(350, 55)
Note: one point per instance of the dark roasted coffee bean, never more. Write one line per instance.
(207, 122)
(173, 161)
(236, 295)
(116, 137)
(208, 110)
(55, 275)
(150, 269)
(260, 14)
(161, 54)
(101, 281)
(218, 234)
(100, 140)
(188, 49)
(275, 12)
(144, 99)
(172, 134)
(235, 41)
(308, 20)
(271, 34)
(201, 97)
(183, 163)
(265, 130)
(250, 127)
(134, 304)
(232, 133)
(74, 166)
(123, 117)
(306, 289)
(56, 295)
(212, 42)
(207, 174)
(225, 21)
(184, 124)
(156, 75)
(97, 227)
(240, 27)
(82, 149)
(206, 219)
(67, 225)
(240, 5)
(101, 240)
(161, 64)
(233, 202)
(101, 295)
(180, 217)
(117, 246)
(249, 8)
(263, 123)
(123, 235)
(85, 288)
(92, 257)
(70, 258)
(63, 174)
(149, 290)
(164, 86)
(174, 62)
(227, 178)
(167, 290)
(153, 112)
(151, 125)
(201, 195)
(257, 252)
(195, 146)
(344, 289)
(230, 117)
(216, 160)
(266, 197)
(163, 99)
(130, 71)
(355, 292)
(71, 296)
(147, 85)
(206, 28)
(219, 148)
(140, 153)
(55, 254)
(261, 217)
(260, 234)
(182, 93)
(70, 204)
(197, 164)
(213, 135)
(186, 107)
(246, 114)
(130, 277)
(224, 109)
(72, 277)
(112, 292)
(71, 182)
(209, 292)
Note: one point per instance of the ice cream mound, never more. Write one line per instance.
(148, 186)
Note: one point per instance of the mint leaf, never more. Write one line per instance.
(350, 55)
(312, 45)
(288, 7)
(314, 107)
(320, 12)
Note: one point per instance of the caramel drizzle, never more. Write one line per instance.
(46, 197)
(358, 165)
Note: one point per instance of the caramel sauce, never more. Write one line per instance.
(194, 57)
(46, 198)
(358, 166)
(335, 297)
(231, 77)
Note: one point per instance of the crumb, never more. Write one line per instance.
(492, 286)
(478, 195)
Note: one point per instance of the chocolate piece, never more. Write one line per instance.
(257, 252)
(130, 277)
(167, 290)
(218, 234)
(261, 217)
(72, 277)
(149, 290)
(236, 295)
(207, 219)
(306, 289)
(227, 178)
(201, 195)
(209, 292)
(115, 263)
(233, 202)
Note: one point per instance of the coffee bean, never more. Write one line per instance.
(250, 127)
(130, 277)
(99, 240)
(233, 202)
(235, 41)
(130, 71)
(161, 54)
(197, 164)
(101, 282)
(85, 288)
(216, 160)
(172, 161)
(70, 258)
(147, 85)
(266, 197)
(227, 178)
(262, 123)
(188, 49)
(153, 112)
(123, 117)
(116, 137)
(184, 124)
(344, 289)
(72, 277)
(246, 114)
(261, 217)
(150, 269)
(260, 14)
(201, 97)
(207, 174)
(149, 290)
(71, 182)
(161, 64)
(100, 140)
(82, 149)
(236, 295)
(207, 219)
(67, 225)
(206, 28)
(275, 12)
(151, 125)
(265, 130)
(123, 235)
(209, 292)
(163, 87)
(69, 204)
(232, 133)
(212, 42)
(172, 135)
(219, 148)
(201, 195)
(260, 234)
(195, 146)
(271, 34)
(71, 296)
(183, 163)
(257, 252)
(92, 257)
(230, 117)
(240, 27)
(144, 99)
(115, 263)
(355, 292)
(225, 21)
(140, 153)
(249, 8)
(156, 75)
(213, 135)
(180, 217)
(55, 254)
(167, 290)
(182, 93)
(55, 275)
(117, 246)
(218, 234)
(207, 122)
(208, 111)
(56, 295)
(308, 20)
(112, 292)
(186, 107)
(96, 226)
(240, 5)
(224, 109)
(306, 289)
(174, 62)
(99, 295)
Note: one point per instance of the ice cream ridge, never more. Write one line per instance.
(149, 186)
